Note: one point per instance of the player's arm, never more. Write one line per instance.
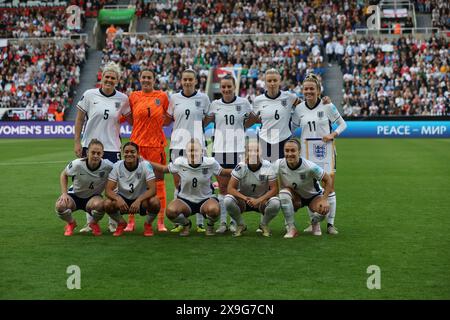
(149, 193)
(129, 118)
(159, 167)
(328, 185)
(323, 202)
(251, 120)
(79, 121)
(342, 125)
(296, 102)
(225, 172)
(208, 119)
(295, 121)
(168, 119)
(326, 100)
(233, 189)
(63, 180)
(109, 192)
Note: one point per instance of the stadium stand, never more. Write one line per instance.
(293, 58)
(401, 69)
(39, 77)
(250, 17)
(405, 76)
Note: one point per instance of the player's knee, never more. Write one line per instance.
(212, 211)
(229, 201)
(60, 208)
(285, 197)
(273, 205)
(108, 205)
(153, 205)
(171, 212)
(97, 205)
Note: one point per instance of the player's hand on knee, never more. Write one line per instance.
(122, 205)
(323, 207)
(135, 206)
(64, 200)
(254, 203)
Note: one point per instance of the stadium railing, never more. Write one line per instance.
(198, 37)
(389, 32)
(16, 4)
(72, 37)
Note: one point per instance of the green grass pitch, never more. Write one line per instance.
(393, 212)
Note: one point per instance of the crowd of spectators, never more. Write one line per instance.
(91, 7)
(40, 77)
(293, 58)
(405, 76)
(440, 12)
(45, 21)
(329, 18)
(34, 23)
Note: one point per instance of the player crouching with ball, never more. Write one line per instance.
(300, 187)
(89, 176)
(131, 188)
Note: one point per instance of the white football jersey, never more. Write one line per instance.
(304, 179)
(314, 122)
(229, 131)
(131, 184)
(254, 183)
(103, 114)
(86, 182)
(188, 113)
(275, 116)
(195, 182)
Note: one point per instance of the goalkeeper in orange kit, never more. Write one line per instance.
(148, 108)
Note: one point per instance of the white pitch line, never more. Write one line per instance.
(30, 163)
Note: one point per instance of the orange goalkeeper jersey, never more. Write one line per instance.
(148, 111)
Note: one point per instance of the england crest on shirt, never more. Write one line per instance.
(198, 104)
(205, 171)
(302, 176)
(117, 105)
(139, 176)
(102, 174)
(320, 151)
(320, 114)
(284, 102)
(238, 108)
